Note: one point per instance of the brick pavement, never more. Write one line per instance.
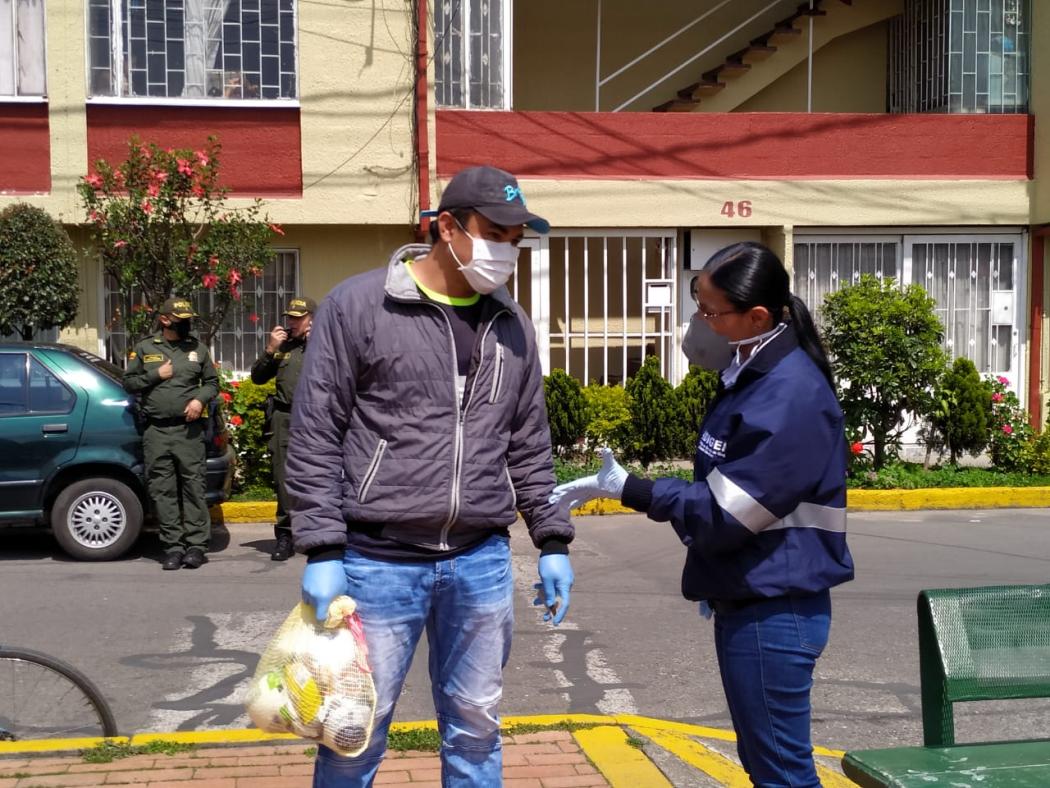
(547, 759)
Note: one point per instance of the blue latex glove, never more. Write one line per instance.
(555, 584)
(607, 483)
(323, 581)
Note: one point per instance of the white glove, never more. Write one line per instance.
(607, 483)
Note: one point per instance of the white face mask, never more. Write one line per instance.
(704, 348)
(732, 372)
(491, 264)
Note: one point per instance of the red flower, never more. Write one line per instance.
(276, 228)
(93, 180)
(1004, 381)
(1008, 429)
(236, 420)
(235, 293)
(234, 277)
(253, 317)
(236, 384)
(95, 216)
(198, 190)
(227, 397)
(118, 176)
(857, 447)
(153, 190)
(185, 168)
(997, 397)
(213, 262)
(120, 244)
(202, 157)
(147, 207)
(209, 281)
(159, 175)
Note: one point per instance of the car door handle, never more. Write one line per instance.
(49, 428)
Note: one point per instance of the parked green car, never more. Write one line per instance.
(71, 454)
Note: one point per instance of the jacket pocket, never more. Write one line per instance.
(497, 376)
(373, 469)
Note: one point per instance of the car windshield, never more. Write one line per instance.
(107, 368)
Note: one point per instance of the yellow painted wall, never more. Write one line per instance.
(356, 70)
(849, 75)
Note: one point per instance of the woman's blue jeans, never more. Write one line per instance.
(466, 606)
(766, 655)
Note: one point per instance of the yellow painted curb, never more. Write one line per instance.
(856, 500)
(711, 763)
(622, 764)
(54, 745)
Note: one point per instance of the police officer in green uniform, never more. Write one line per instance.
(283, 359)
(173, 374)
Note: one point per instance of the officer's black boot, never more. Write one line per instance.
(283, 549)
(194, 558)
(172, 559)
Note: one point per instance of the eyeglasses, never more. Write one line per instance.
(711, 315)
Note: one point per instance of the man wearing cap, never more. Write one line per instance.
(175, 379)
(283, 359)
(418, 432)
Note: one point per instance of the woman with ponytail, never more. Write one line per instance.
(764, 520)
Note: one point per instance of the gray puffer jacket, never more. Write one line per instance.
(379, 436)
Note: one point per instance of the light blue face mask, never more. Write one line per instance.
(736, 366)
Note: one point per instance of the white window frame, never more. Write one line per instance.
(506, 67)
(17, 97)
(117, 55)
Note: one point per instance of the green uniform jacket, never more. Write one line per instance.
(285, 365)
(194, 378)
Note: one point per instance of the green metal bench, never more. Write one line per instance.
(988, 643)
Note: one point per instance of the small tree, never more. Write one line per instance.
(692, 398)
(962, 409)
(38, 272)
(885, 345)
(161, 226)
(608, 418)
(655, 422)
(566, 410)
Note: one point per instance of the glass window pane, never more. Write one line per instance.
(47, 394)
(13, 390)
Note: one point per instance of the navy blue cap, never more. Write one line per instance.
(494, 194)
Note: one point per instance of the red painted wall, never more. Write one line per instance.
(261, 147)
(25, 149)
(736, 145)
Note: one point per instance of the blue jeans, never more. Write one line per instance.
(466, 604)
(766, 655)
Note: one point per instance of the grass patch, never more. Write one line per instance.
(108, 751)
(912, 476)
(634, 741)
(310, 752)
(422, 739)
(254, 494)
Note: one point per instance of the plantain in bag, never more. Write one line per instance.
(315, 681)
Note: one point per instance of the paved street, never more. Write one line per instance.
(172, 650)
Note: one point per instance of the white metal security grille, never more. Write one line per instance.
(472, 71)
(960, 56)
(601, 301)
(824, 265)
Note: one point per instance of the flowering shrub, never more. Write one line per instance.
(243, 403)
(161, 227)
(1009, 431)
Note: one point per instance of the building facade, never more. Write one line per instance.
(893, 137)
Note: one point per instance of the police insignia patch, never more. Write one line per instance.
(193, 355)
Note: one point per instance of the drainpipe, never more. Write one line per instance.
(1035, 326)
(422, 139)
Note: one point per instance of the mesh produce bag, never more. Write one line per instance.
(315, 681)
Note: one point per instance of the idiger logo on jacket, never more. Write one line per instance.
(711, 446)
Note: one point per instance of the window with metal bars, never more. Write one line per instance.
(242, 337)
(23, 70)
(192, 49)
(471, 68)
(960, 56)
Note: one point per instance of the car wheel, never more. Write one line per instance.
(96, 519)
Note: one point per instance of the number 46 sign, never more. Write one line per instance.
(732, 210)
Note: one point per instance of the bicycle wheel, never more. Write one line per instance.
(44, 698)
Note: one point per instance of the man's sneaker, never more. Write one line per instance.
(283, 549)
(194, 558)
(172, 559)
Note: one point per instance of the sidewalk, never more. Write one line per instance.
(617, 751)
(547, 759)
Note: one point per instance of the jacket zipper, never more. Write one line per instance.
(497, 378)
(461, 415)
(373, 469)
(513, 492)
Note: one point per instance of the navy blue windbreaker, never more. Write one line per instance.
(766, 514)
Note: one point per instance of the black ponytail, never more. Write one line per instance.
(809, 338)
(751, 275)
